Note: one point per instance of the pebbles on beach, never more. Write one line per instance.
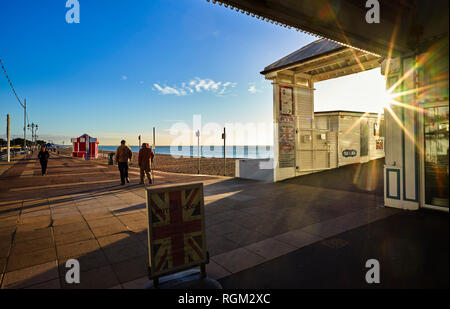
(167, 163)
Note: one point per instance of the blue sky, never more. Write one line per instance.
(131, 65)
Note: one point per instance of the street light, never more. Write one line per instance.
(35, 136)
(28, 126)
(198, 148)
(34, 128)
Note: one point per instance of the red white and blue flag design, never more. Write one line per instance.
(176, 228)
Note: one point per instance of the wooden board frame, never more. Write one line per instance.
(175, 188)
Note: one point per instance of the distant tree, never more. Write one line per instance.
(3, 142)
(19, 142)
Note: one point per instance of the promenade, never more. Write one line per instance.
(80, 210)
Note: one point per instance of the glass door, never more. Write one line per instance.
(436, 142)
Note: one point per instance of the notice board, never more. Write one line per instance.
(286, 141)
(286, 100)
(176, 228)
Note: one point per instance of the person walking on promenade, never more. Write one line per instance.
(123, 154)
(43, 159)
(145, 160)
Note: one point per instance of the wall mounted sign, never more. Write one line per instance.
(286, 100)
(286, 141)
(379, 144)
(349, 153)
(176, 229)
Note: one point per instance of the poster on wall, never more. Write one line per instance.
(286, 141)
(379, 144)
(286, 100)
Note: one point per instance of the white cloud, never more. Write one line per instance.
(252, 89)
(124, 77)
(169, 90)
(197, 85)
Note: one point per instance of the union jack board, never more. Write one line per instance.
(176, 228)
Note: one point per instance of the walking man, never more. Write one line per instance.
(123, 154)
(145, 160)
(43, 159)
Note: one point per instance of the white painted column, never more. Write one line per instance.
(401, 171)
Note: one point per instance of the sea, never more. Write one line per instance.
(236, 152)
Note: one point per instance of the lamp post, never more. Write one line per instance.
(224, 136)
(8, 138)
(35, 136)
(34, 128)
(154, 152)
(31, 127)
(198, 148)
(25, 126)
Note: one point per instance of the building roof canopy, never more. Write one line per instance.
(315, 49)
(405, 25)
(322, 60)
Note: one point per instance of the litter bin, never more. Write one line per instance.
(111, 159)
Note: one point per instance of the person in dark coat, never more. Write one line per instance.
(145, 160)
(123, 155)
(43, 159)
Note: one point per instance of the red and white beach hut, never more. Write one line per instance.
(85, 147)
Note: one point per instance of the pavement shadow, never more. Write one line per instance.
(363, 177)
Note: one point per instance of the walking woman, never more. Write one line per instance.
(43, 159)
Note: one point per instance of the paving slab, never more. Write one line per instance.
(31, 275)
(33, 234)
(68, 218)
(109, 230)
(98, 222)
(101, 214)
(124, 252)
(28, 259)
(99, 278)
(223, 228)
(237, 260)
(70, 228)
(5, 245)
(33, 226)
(131, 269)
(136, 284)
(23, 247)
(243, 237)
(77, 248)
(324, 229)
(87, 261)
(48, 285)
(219, 244)
(73, 237)
(118, 240)
(270, 248)
(298, 238)
(2, 265)
(215, 271)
